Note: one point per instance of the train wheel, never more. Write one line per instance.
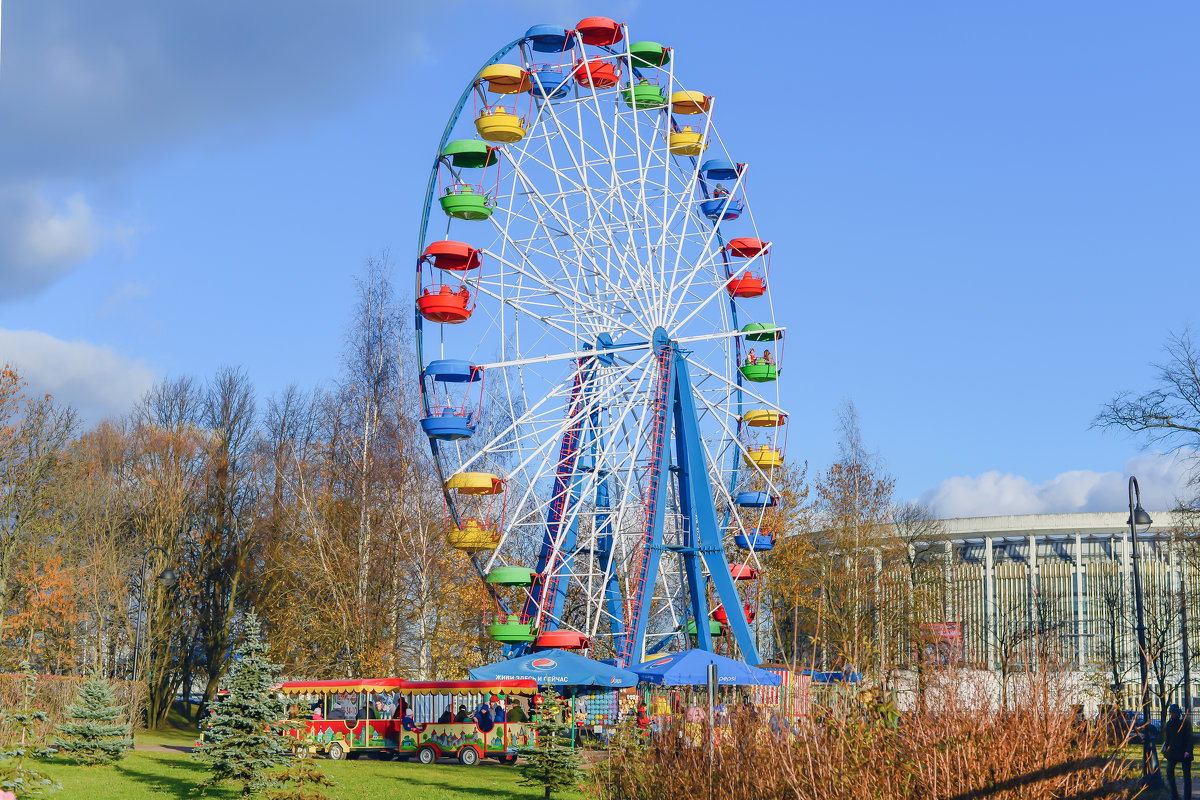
(468, 756)
(337, 751)
(426, 755)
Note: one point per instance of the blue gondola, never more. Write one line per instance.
(754, 500)
(756, 539)
(550, 38)
(549, 82)
(447, 420)
(722, 208)
(718, 169)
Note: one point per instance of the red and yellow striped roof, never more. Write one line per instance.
(518, 687)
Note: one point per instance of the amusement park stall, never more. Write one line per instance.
(599, 692)
(675, 685)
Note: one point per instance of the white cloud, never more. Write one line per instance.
(41, 240)
(1162, 478)
(96, 380)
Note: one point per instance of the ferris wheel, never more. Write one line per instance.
(590, 291)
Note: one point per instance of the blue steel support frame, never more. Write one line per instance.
(612, 587)
(702, 520)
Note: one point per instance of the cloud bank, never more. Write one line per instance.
(90, 90)
(41, 240)
(1161, 477)
(96, 380)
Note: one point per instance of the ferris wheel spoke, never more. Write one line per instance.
(567, 229)
(648, 275)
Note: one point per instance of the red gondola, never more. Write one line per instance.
(446, 305)
(751, 282)
(599, 31)
(596, 73)
(562, 639)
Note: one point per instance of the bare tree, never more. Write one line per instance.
(1168, 415)
(915, 555)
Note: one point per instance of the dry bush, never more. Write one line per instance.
(1034, 751)
(53, 693)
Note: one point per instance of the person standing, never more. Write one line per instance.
(1177, 747)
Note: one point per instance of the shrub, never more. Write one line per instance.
(1036, 750)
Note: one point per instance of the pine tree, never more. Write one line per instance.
(92, 736)
(18, 727)
(552, 764)
(245, 740)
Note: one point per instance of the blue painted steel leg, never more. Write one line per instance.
(703, 510)
(685, 464)
(604, 553)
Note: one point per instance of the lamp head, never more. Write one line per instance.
(168, 578)
(1139, 519)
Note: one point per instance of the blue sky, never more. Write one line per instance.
(983, 215)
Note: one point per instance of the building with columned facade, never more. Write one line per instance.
(1065, 582)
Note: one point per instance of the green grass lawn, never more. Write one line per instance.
(148, 775)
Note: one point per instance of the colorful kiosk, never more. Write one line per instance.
(595, 688)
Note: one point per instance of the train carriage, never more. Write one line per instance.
(467, 720)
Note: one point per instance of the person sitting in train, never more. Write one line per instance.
(447, 716)
(401, 709)
(461, 716)
(516, 712)
(483, 718)
(316, 712)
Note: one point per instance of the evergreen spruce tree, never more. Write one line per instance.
(18, 727)
(92, 736)
(244, 739)
(552, 764)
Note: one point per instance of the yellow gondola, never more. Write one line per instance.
(476, 483)
(473, 537)
(763, 418)
(764, 457)
(506, 78)
(687, 142)
(497, 125)
(690, 103)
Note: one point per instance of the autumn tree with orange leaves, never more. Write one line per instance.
(34, 437)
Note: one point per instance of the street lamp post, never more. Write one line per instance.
(168, 579)
(1138, 518)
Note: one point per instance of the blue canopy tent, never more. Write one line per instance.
(557, 668)
(833, 677)
(690, 668)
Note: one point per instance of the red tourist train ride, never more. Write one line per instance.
(467, 720)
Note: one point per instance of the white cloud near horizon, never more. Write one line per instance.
(1162, 478)
(96, 380)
